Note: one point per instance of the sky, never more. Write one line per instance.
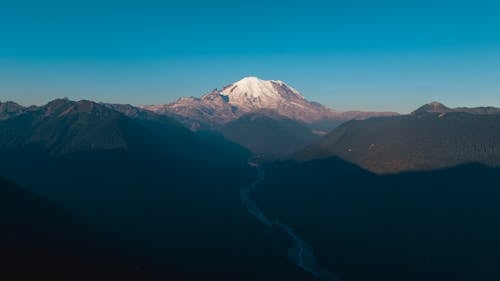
(348, 55)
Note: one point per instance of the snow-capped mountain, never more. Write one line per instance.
(250, 95)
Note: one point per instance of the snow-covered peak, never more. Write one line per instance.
(253, 92)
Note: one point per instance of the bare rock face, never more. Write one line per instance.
(250, 95)
(211, 108)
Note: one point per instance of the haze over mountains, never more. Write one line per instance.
(236, 111)
(273, 121)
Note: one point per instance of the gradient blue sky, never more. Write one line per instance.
(368, 55)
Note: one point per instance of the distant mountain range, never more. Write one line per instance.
(436, 107)
(63, 126)
(238, 111)
(270, 119)
(433, 136)
(251, 95)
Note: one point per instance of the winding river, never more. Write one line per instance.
(300, 253)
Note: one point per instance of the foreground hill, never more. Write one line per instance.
(41, 240)
(434, 225)
(433, 136)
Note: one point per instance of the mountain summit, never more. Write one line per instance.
(253, 95)
(432, 107)
(9, 109)
(439, 108)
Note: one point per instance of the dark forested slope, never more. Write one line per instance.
(427, 139)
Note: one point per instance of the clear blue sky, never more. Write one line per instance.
(369, 55)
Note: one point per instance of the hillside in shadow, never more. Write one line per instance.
(423, 140)
(433, 225)
(42, 240)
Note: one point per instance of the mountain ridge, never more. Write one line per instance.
(251, 94)
(432, 137)
(439, 108)
(63, 126)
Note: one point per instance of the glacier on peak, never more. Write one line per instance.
(252, 93)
